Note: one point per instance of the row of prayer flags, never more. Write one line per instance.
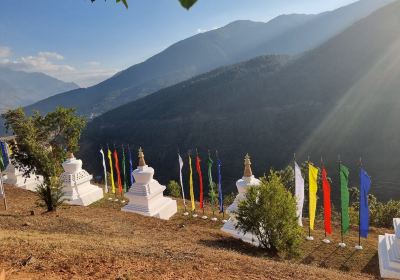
(365, 185)
(122, 187)
(201, 184)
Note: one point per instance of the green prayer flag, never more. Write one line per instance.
(212, 194)
(344, 195)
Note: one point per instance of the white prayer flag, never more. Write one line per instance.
(299, 192)
(105, 171)
(1, 187)
(180, 177)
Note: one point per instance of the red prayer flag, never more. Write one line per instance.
(326, 187)
(198, 168)
(118, 172)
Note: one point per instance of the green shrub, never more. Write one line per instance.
(173, 189)
(50, 194)
(269, 212)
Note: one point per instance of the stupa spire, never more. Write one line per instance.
(247, 167)
(142, 162)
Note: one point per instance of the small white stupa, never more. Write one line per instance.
(76, 184)
(389, 252)
(15, 177)
(146, 194)
(247, 180)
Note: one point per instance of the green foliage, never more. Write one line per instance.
(174, 189)
(50, 195)
(381, 213)
(269, 212)
(42, 145)
(229, 198)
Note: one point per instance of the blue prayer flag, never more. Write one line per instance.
(5, 154)
(365, 185)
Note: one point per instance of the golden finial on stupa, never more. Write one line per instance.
(141, 157)
(247, 166)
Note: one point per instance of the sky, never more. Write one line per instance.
(84, 42)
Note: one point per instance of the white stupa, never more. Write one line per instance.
(76, 184)
(15, 177)
(146, 194)
(247, 180)
(389, 252)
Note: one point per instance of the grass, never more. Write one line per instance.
(102, 242)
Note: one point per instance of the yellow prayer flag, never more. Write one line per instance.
(111, 171)
(313, 187)
(191, 184)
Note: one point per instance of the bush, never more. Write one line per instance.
(269, 212)
(50, 194)
(381, 213)
(173, 189)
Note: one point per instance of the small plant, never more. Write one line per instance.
(173, 189)
(269, 212)
(50, 195)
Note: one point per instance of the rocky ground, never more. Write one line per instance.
(101, 242)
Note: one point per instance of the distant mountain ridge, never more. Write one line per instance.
(340, 98)
(19, 88)
(238, 41)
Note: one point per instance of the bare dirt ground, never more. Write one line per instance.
(101, 242)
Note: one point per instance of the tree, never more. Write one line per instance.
(269, 212)
(42, 144)
(187, 4)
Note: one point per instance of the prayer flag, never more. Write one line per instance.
(105, 171)
(313, 187)
(198, 168)
(365, 185)
(299, 192)
(124, 168)
(130, 168)
(221, 200)
(212, 193)
(191, 184)
(326, 187)
(111, 171)
(4, 153)
(2, 167)
(116, 162)
(180, 178)
(344, 195)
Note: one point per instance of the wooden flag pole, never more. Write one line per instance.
(322, 164)
(341, 244)
(309, 237)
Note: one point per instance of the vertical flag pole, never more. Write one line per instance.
(342, 244)
(323, 166)
(309, 222)
(359, 211)
(3, 190)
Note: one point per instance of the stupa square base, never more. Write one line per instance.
(165, 211)
(229, 228)
(83, 195)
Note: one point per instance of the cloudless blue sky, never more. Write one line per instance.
(108, 34)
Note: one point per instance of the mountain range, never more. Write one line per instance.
(19, 88)
(235, 42)
(340, 98)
